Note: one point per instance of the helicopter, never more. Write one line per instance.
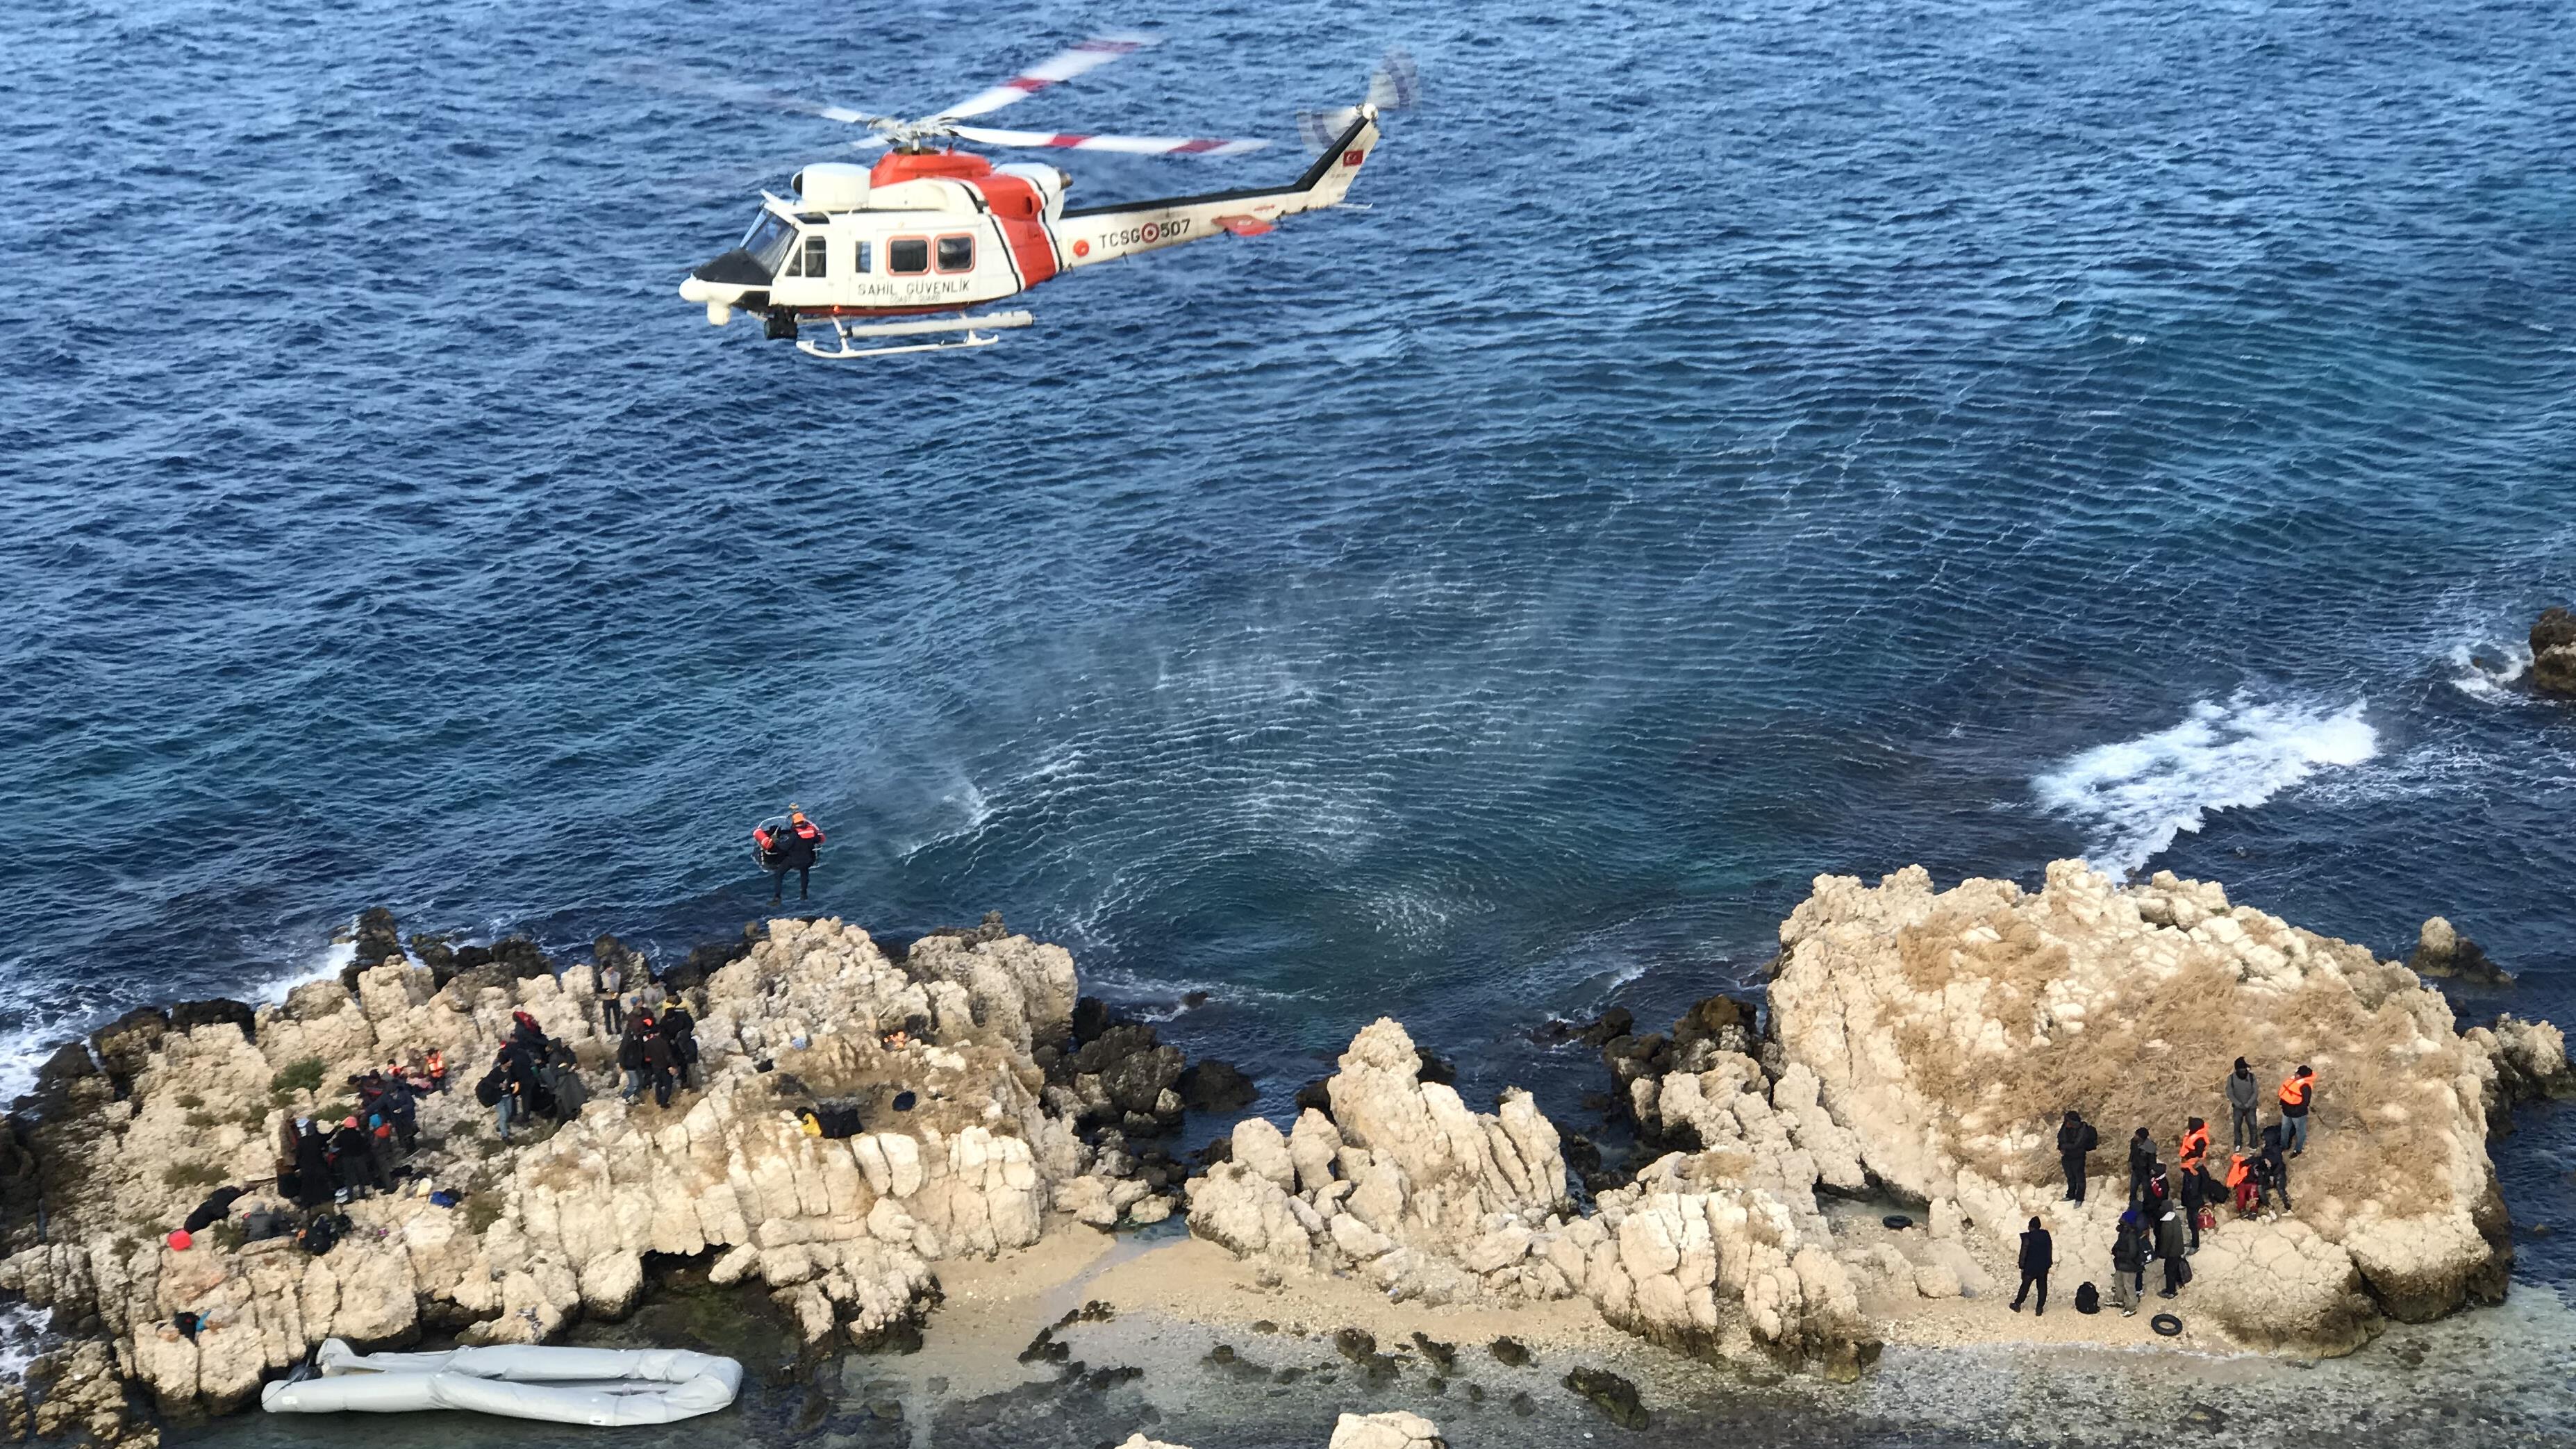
(908, 246)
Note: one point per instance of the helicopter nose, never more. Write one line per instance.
(736, 267)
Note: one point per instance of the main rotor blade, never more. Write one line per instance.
(682, 80)
(1132, 145)
(1064, 66)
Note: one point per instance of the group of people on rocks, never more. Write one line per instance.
(533, 1075)
(2168, 1207)
(319, 1161)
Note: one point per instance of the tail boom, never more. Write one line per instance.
(1086, 235)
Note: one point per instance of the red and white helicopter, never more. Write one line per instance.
(894, 249)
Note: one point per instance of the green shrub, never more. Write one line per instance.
(191, 1100)
(294, 1077)
(202, 1120)
(482, 1210)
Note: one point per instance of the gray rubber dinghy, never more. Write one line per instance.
(604, 1386)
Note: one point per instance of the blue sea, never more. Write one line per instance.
(1733, 443)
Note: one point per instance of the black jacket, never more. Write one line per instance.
(2077, 1137)
(2129, 1251)
(681, 1029)
(2169, 1235)
(2037, 1252)
(657, 1053)
(794, 851)
(2142, 1156)
(630, 1051)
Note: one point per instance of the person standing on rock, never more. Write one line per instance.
(797, 848)
(657, 1063)
(349, 1161)
(312, 1164)
(2075, 1138)
(630, 1056)
(2298, 1093)
(2037, 1252)
(2129, 1264)
(2271, 1171)
(2169, 1247)
(612, 1013)
(2142, 1163)
(681, 1030)
(2242, 1093)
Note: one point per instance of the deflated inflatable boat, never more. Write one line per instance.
(604, 1386)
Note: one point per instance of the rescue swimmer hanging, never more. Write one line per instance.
(904, 248)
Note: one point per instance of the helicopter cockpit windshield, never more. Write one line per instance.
(768, 241)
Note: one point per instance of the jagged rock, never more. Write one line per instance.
(844, 1231)
(1947, 1031)
(2553, 653)
(1214, 1085)
(2443, 951)
(2530, 1059)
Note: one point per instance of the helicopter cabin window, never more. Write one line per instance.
(809, 261)
(957, 254)
(768, 240)
(861, 266)
(908, 255)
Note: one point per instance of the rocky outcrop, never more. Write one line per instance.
(1405, 1186)
(2530, 1060)
(1949, 1030)
(1397, 1430)
(2441, 951)
(2553, 653)
(843, 1231)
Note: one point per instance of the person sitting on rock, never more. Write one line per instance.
(797, 848)
(2242, 1093)
(2037, 1252)
(2129, 1264)
(436, 1070)
(2075, 1138)
(2298, 1094)
(2142, 1162)
(2169, 1247)
(2241, 1183)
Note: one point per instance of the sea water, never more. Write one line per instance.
(1734, 443)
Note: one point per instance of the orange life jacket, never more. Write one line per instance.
(808, 830)
(2195, 1149)
(437, 1064)
(2295, 1089)
(2238, 1169)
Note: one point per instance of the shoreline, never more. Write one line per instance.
(985, 1235)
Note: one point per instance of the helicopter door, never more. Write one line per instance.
(811, 257)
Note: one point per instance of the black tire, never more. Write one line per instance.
(1898, 1221)
(2165, 1325)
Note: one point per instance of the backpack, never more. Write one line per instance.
(488, 1090)
(2088, 1299)
(323, 1233)
(2208, 1219)
(2092, 1139)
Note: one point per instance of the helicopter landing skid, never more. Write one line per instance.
(847, 333)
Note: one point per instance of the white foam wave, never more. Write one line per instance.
(2136, 795)
(42, 1029)
(2485, 671)
(22, 1337)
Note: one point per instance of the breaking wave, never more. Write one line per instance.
(2136, 795)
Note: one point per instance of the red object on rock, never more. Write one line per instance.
(181, 1240)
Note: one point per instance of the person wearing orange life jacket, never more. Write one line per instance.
(2195, 1184)
(796, 847)
(2240, 1181)
(2298, 1094)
